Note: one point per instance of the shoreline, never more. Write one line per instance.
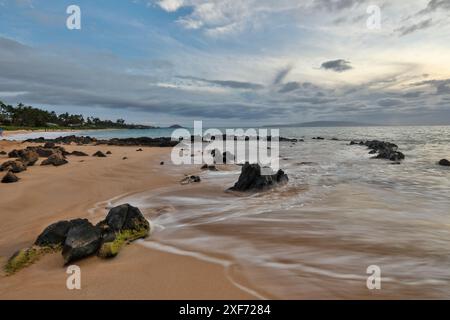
(7, 133)
(79, 190)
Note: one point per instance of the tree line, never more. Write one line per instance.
(31, 117)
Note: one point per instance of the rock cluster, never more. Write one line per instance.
(79, 238)
(27, 157)
(384, 150)
(83, 140)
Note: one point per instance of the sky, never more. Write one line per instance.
(230, 62)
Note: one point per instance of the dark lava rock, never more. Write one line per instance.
(108, 152)
(2, 153)
(139, 150)
(307, 163)
(82, 240)
(252, 180)
(444, 162)
(384, 150)
(65, 140)
(191, 179)
(161, 163)
(99, 154)
(28, 157)
(55, 234)
(228, 157)
(56, 160)
(124, 158)
(15, 166)
(282, 139)
(125, 217)
(49, 145)
(45, 153)
(79, 154)
(222, 158)
(10, 178)
(209, 167)
(318, 138)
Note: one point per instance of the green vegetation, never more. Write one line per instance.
(27, 117)
(26, 257)
(111, 249)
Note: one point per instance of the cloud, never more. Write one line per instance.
(390, 102)
(442, 86)
(282, 74)
(435, 5)
(405, 30)
(290, 86)
(227, 83)
(170, 5)
(339, 65)
(336, 5)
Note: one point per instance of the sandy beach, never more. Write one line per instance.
(81, 189)
(19, 132)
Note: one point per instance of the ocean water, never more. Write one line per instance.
(315, 237)
(340, 213)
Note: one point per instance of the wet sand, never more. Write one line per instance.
(48, 194)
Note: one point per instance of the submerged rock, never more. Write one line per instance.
(252, 180)
(191, 179)
(209, 167)
(10, 178)
(444, 162)
(384, 150)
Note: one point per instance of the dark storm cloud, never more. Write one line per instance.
(405, 30)
(339, 65)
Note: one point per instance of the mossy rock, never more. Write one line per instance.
(26, 257)
(111, 249)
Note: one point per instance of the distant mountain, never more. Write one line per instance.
(324, 124)
(175, 126)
